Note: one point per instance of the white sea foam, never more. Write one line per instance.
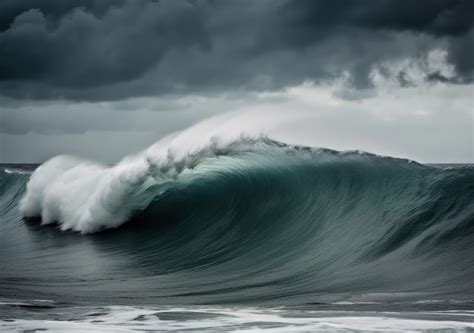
(128, 318)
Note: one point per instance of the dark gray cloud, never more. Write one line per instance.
(55, 10)
(107, 50)
(437, 17)
(84, 50)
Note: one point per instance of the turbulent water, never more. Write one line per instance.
(248, 233)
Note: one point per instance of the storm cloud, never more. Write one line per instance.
(112, 50)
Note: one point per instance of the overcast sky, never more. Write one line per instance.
(104, 78)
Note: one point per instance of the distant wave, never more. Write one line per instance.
(20, 171)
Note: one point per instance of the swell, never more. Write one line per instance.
(256, 220)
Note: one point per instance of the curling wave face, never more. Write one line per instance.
(240, 219)
(85, 196)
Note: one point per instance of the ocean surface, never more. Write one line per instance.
(250, 234)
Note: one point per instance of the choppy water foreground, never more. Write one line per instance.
(243, 235)
(338, 317)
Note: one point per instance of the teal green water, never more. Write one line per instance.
(269, 226)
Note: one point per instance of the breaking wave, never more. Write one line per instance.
(242, 219)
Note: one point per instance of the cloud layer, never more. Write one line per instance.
(111, 50)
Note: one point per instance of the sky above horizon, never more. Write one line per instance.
(105, 78)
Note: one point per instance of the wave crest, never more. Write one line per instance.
(85, 196)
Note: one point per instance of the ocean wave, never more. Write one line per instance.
(247, 218)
